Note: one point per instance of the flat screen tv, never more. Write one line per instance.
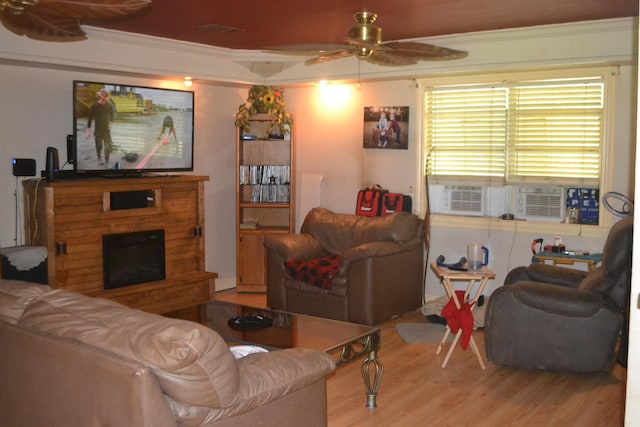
(124, 130)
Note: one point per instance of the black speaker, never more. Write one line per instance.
(24, 167)
(71, 149)
(52, 163)
(135, 199)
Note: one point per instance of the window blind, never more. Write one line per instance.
(555, 132)
(515, 132)
(465, 131)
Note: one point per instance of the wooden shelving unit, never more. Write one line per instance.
(265, 198)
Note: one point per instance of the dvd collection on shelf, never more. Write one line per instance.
(271, 182)
(267, 174)
(270, 193)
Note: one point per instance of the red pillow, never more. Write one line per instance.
(317, 272)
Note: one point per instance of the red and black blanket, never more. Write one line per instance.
(318, 272)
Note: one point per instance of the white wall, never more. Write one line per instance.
(329, 126)
(632, 409)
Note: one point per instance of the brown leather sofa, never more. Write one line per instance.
(71, 360)
(380, 274)
(561, 319)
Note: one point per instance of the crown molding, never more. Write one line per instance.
(611, 41)
(110, 51)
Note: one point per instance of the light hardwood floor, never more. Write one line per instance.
(415, 391)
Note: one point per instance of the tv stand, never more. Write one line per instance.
(75, 215)
(61, 175)
(126, 174)
(118, 175)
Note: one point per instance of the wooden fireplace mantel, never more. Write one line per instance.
(71, 217)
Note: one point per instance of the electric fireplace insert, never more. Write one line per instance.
(133, 258)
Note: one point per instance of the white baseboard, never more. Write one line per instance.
(225, 284)
(430, 297)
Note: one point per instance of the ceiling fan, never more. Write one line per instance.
(59, 20)
(364, 40)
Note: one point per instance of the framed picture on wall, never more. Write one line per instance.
(386, 128)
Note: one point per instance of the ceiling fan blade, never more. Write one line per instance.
(90, 8)
(424, 51)
(306, 49)
(44, 29)
(329, 57)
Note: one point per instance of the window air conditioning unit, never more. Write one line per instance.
(463, 200)
(540, 203)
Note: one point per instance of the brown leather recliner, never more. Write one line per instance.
(380, 274)
(560, 319)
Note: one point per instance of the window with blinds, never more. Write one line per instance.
(555, 132)
(544, 132)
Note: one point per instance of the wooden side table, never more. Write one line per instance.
(472, 277)
(592, 260)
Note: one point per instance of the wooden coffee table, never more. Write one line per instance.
(345, 341)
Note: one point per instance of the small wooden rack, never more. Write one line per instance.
(471, 296)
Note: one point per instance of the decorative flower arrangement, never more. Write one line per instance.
(264, 100)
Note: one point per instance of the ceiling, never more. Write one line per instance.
(258, 24)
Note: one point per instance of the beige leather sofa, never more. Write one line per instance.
(71, 360)
(380, 274)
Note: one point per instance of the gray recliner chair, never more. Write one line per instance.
(560, 319)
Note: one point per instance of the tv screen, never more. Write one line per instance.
(131, 129)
